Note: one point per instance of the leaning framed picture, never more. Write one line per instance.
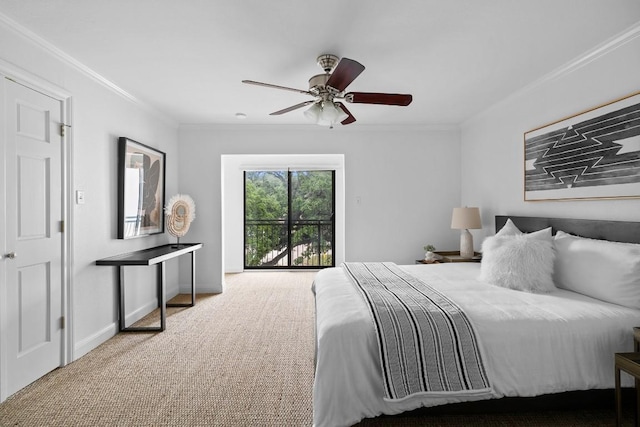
(591, 155)
(141, 175)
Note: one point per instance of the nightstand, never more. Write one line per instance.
(629, 363)
(454, 256)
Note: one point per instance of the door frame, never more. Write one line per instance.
(24, 78)
(290, 223)
(232, 167)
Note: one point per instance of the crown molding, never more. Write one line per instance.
(246, 127)
(589, 56)
(67, 59)
(22, 76)
(600, 50)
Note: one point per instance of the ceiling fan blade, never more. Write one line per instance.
(251, 82)
(293, 107)
(349, 119)
(378, 98)
(346, 71)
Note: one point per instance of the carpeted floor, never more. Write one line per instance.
(241, 358)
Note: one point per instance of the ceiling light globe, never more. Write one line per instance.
(313, 113)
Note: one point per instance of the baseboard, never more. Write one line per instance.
(202, 288)
(86, 345)
(138, 314)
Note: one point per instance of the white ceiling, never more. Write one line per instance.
(456, 57)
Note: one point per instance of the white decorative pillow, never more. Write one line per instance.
(608, 271)
(510, 229)
(518, 262)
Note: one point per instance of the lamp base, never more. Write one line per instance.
(466, 244)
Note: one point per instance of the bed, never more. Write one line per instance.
(530, 343)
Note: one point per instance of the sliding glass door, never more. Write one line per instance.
(289, 219)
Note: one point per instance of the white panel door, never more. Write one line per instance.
(33, 238)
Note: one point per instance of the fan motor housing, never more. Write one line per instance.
(318, 82)
(327, 62)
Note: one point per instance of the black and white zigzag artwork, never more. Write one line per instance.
(592, 155)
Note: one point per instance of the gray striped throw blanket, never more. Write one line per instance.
(427, 344)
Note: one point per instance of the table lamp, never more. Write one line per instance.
(465, 219)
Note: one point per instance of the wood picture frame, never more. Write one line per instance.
(141, 189)
(591, 155)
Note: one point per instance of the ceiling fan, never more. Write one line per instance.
(328, 90)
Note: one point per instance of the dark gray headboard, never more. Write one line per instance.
(617, 231)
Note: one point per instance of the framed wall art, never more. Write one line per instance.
(591, 155)
(141, 182)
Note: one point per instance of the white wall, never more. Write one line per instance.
(493, 142)
(407, 181)
(100, 116)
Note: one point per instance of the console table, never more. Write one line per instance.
(153, 256)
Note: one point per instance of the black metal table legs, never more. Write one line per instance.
(193, 286)
(162, 303)
(162, 296)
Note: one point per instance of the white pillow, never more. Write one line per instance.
(510, 229)
(518, 262)
(609, 271)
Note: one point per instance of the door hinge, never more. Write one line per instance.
(62, 323)
(62, 226)
(63, 128)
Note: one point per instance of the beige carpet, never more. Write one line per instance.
(241, 358)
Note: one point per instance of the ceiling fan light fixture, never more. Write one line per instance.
(333, 114)
(313, 113)
(325, 113)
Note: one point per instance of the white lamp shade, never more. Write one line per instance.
(466, 218)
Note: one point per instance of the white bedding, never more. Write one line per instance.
(532, 344)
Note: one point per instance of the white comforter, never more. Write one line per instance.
(532, 344)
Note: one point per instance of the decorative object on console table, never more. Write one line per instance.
(141, 173)
(464, 219)
(180, 212)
